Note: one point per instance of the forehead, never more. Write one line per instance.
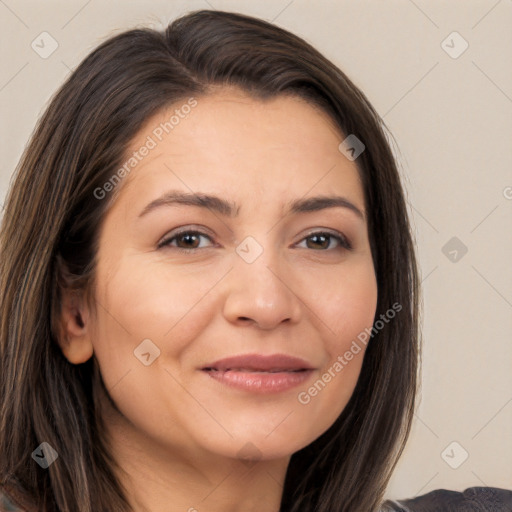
(229, 142)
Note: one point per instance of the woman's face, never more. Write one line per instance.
(261, 279)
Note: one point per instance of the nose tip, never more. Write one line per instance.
(259, 295)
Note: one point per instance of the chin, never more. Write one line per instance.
(259, 446)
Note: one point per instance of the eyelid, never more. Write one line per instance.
(344, 242)
(180, 231)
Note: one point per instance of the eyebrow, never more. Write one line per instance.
(230, 209)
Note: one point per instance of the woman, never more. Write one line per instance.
(274, 367)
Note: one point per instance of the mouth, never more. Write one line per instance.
(260, 373)
(254, 370)
(259, 363)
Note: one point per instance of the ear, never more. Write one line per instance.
(75, 330)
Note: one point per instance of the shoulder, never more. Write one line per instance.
(11, 499)
(474, 499)
(6, 505)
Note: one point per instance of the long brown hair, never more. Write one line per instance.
(49, 240)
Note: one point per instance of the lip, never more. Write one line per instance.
(260, 362)
(260, 373)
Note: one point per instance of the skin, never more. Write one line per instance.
(180, 433)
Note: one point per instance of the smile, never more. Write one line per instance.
(260, 373)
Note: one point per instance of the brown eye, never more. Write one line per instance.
(186, 240)
(321, 240)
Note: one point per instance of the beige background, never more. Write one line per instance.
(452, 120)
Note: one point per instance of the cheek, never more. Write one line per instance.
(346, 303)
(353, 313)
(150, 304)
(347, 309)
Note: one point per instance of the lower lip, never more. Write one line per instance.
(260, 382)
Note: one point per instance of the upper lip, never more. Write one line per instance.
(259, 362)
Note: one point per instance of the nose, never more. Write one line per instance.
(259, 293)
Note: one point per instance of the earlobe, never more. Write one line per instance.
(74, 337)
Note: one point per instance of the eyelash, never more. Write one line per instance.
(343, 242)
